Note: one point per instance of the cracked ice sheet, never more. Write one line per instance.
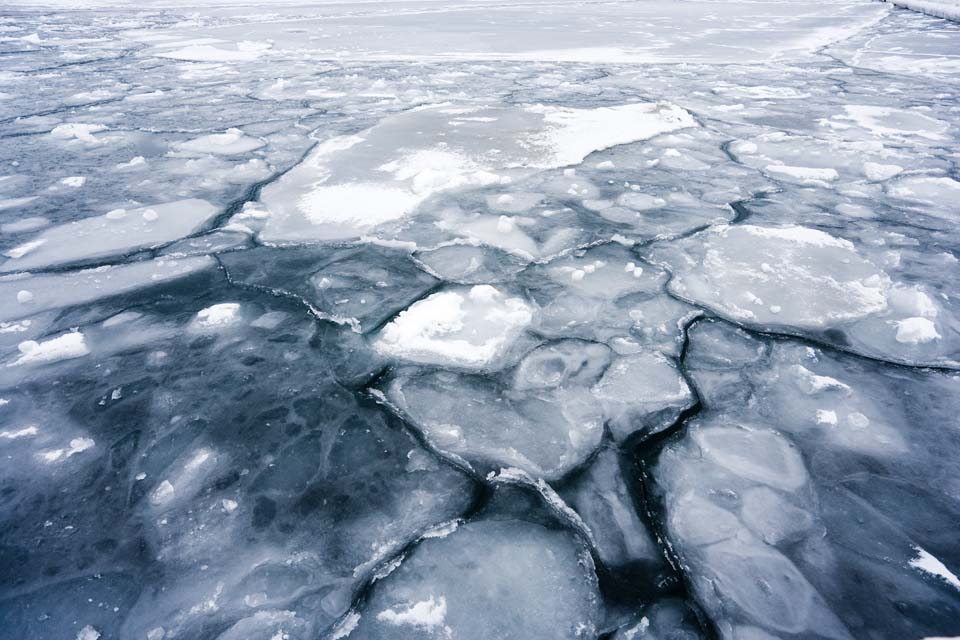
(352, 186)
(793, 444)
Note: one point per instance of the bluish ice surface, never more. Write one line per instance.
(621, 320)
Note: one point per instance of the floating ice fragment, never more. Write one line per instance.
(88, 633)
(924, 561)
(916, 331)
(462, 327)
(218, 315)
(63, 347)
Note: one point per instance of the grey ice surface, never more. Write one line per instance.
(619, 320)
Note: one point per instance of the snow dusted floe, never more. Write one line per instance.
(117, 231)
(64, 347)
(461, 327)
(799, 279)
(231, 142)
(351, 185)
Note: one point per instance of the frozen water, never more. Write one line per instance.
(540, 583)
(556, 319)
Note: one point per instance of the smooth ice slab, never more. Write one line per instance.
(351, 185)
(545, 432)
(487, 579)
(115, 232)
(23, 296)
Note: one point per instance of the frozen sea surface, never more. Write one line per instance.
(618, 320)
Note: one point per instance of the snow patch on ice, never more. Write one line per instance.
(926, 562)
(64, 347)
(462, 327)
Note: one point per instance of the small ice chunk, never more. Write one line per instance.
(878, 172)
(426, 615)
(24, 296)
(461, 327)
(77, 131)
(926, 562)
(163, 493)
(218, 315)
(74, 181)
(826, 417)
(64, 347)
(88, 633)
(916, 331)
(804, 174)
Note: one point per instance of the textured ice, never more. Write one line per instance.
(802, 280)
(762, 488)
(350, 185)
(113, 233)
(462, 327)
(545, 432)
(555, 319)
(540, 583)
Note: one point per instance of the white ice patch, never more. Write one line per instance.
(926, 562)
(804, 174)
(244, 52)
(879, 172)
(231, 142)
(78, 131)
(88, 633)
(74, 181)
(916, 331)
(461, 327)
(64, 347)
(218, 315)
(573, 134)
(428, 615)
(25, 432)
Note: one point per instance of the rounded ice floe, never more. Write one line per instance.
(894, 122)
(543, 432)
(219, 315)
(642, 392)
(64, 347)
(933, 190)
(792, 275)
(462, 327)
(487, 579)
(230, 142)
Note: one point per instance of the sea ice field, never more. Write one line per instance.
(479, 320)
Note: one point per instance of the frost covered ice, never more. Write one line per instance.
(629, 320)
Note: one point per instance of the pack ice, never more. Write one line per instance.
(511, 321)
